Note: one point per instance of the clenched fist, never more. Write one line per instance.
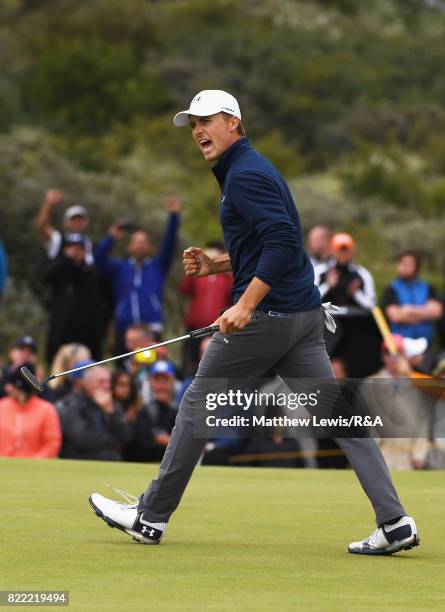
(173, 205)
(196, 262)
(53, 196)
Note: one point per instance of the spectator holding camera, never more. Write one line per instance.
(138, 280)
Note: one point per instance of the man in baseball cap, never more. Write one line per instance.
(75, 211)
(74, 238)
(27, 343)
(209, 102)
(162, 367)
(342, 241)
(22, 351)
(210, 113)
(75, 221)
(275, 306)
(340, 280)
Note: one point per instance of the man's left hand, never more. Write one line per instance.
(234, 319)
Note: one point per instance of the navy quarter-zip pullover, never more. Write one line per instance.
(262, 231)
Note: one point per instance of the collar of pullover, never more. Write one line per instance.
(222, 166)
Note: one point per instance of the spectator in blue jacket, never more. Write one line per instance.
(3, 268)
(138, 281)
(410, 303)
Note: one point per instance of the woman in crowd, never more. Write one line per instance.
(29, 426)
(65, 359)
(125, 392)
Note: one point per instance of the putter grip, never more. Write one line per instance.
(204, 331)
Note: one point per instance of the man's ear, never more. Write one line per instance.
(233, 123)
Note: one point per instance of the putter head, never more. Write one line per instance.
(31, 379)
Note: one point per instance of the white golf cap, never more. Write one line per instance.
(75, 211)
(209, 102)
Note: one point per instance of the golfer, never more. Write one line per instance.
(275, 323)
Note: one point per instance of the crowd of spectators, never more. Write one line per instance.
(128, 413)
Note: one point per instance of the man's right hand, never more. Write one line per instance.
(53, 196)
(196, 262)
(332, 277)
(116, 230)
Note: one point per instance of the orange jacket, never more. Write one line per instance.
(29, 430)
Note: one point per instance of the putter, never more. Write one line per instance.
(38, 385)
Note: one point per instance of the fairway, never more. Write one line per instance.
(243, 539)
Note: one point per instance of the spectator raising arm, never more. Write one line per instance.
(52, 198)
(138, 279)
(167, 251)
(102, 252)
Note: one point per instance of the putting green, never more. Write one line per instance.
(243, 539)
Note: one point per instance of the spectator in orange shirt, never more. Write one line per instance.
(209, 295)
(29, 426)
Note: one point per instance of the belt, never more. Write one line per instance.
(273, 313)
(286, 315)
(327, 308)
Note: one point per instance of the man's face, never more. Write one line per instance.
(214, 134)
(344, 255)
(139, 246)
(406, 267)
(22, 354)
(137, 338)
(98, 379)
(75, 252)
(162, 386)
(318, 242)
(76, 225)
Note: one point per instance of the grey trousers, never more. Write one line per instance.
(293, 348)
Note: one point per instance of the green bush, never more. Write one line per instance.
(84, 87)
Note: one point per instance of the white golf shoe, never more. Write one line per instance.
(126, 518)
(388, 539)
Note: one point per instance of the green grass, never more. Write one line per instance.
(243, 539)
